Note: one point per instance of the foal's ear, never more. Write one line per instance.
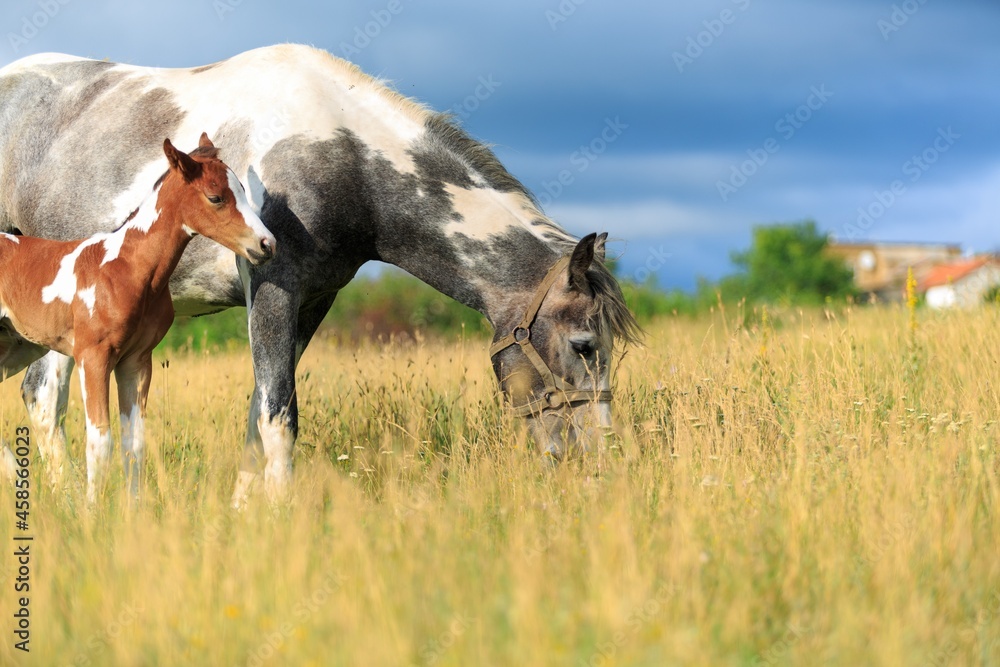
(205, 142)
(180, 161)
(580, 261)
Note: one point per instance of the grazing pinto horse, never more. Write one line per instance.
(105, 300)
(343, 170)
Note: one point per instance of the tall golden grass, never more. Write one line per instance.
(788, 489)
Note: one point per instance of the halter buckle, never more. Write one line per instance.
(522, 335)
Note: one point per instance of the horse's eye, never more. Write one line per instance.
(584, 348)
(215, 199)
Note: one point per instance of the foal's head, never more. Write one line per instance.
(553, 354)
(209, 200)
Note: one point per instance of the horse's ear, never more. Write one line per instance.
(205, 142)
(180, 161)
(599, 250)
(580, 261)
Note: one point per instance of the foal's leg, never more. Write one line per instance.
(132, 376)
(95, 375)
(45, 391)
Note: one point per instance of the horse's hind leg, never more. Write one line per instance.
(132, 376)
(45, 390)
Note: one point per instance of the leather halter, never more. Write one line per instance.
(558, 393)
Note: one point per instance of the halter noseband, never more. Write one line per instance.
(558, 393)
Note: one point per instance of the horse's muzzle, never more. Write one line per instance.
(264, 253)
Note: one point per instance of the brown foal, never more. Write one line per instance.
(105, 300)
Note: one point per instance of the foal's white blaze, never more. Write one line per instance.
(244, 208)
(88, 296)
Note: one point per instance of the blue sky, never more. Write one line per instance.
(676, 126)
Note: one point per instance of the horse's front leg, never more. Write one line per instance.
(45, 391)
(274, 420)
(133, 376)
(95, 376)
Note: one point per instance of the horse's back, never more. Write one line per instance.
(73, 132)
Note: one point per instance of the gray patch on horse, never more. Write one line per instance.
(94, 112)
(361, 207)
(358, 207)
(233, 139)
(492, 257)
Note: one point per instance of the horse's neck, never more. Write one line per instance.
(490, 267)
(151, 243)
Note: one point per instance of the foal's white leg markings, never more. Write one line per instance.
(133, 447)
(98, 446)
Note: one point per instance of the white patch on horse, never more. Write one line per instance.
(98, 458)
(139, 191)
(309, 79)
(278, 442)
(39, 60)
(503, 212)
(63, 287)
(88, 296)
(11, 238)
(83, 386)
(142, 221)
(257, 190)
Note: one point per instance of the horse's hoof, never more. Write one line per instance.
(246, 484)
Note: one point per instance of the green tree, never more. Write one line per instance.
(786, 263)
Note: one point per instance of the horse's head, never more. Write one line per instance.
(210, 201)
(553, 353)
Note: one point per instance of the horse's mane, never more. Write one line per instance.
(610, 313)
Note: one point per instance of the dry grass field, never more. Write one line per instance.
(814, 488)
